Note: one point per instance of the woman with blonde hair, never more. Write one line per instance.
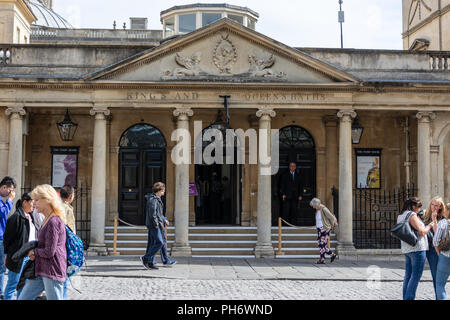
(50, 255)
(436, 211)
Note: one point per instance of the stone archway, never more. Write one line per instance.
(142, 162)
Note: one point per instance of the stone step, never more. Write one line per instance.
(216, 237)
(214, 229)
(218, 244)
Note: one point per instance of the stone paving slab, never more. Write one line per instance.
(248, 269)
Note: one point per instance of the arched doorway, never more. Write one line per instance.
(142, 162)
(296, 145)
(219, 186)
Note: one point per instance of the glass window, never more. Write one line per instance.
(238, 19)
(251, 23)
(208, 18)
(169, 27)
(187, 22)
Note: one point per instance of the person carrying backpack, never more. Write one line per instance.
(50, 255)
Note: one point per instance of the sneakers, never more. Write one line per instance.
(320, 262)
(170, 263)
(148, 266)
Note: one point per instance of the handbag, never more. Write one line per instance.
(444, 244)
(404, 232)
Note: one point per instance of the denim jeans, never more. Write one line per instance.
(33, 287)
(66, 287)
(155, 243)
(2, 266)
(414, 264)
(13, 280)
(433, 259)
(443, 270)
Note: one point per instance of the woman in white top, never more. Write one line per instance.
(414, 255)
(325, 221)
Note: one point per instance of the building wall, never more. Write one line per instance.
(4, 142)
(14, 23)
(377, 134)
(421, 23)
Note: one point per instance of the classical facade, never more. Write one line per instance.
(129, 95)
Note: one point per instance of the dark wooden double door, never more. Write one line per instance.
(139, 169)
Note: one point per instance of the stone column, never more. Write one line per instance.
(345, 247)
(264, 248)
(332, 163)
(98, 191)
(181, 246)
(15, 155)
(423, 156)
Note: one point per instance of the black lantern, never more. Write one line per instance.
(67, 127)
(357, 131)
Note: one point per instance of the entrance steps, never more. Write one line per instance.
(223, 242)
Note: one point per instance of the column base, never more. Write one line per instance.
(264, 251)
(347, 252)
(181, 251)
(97, 250)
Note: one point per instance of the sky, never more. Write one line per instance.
(369, 24)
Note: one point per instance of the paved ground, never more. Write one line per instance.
(124, 278)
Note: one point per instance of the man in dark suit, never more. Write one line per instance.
(291, 192)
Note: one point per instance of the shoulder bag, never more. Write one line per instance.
(405, 232)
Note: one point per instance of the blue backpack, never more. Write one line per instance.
(75, 252)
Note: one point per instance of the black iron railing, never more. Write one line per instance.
(81, 209)
(374, 214)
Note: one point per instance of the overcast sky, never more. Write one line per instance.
(369, 24)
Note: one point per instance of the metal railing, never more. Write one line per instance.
(374, 214)
(81, 209)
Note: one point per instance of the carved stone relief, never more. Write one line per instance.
(225, 55)
(189, 66)
(261, 67)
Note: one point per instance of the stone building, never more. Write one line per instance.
(128, 90)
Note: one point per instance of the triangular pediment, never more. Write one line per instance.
(224, 51)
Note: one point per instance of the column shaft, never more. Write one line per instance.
(345, 239)
(98, 200)
(15, 154)
(264, 246)
(423, 156)
(181, 246)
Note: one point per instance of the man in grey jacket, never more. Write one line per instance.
(155, 222)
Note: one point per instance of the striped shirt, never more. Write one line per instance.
(441, 233)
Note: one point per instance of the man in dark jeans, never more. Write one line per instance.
(291, 192)
(155, 222)
(7, 194)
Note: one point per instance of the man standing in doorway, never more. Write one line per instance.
(7, 195)
(291, 192)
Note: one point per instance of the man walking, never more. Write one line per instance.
(7, 195)
(155, 222)
(291, 192)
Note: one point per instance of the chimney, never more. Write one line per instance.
(138, 23)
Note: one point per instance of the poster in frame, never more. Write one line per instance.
(368, 168)
(64, 166)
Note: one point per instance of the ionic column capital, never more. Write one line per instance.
(100, 112)
(265, 113)
(16, 111)
(425, 116)
(346, 115)
(182, 113)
